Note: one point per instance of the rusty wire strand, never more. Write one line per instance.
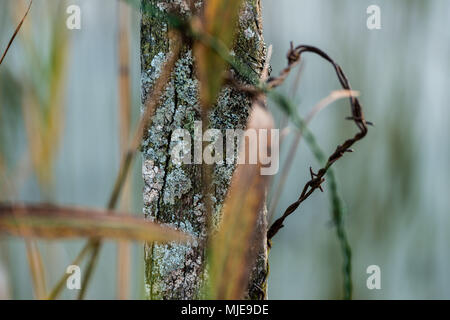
(294, 58)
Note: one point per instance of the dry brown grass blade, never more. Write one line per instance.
(219, 22)
(232, 250)
(37, 269)
(150, 106)
(44, 118)
(15, 33)
(123, 247)
(52, 222)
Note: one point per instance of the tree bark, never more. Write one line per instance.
(173, 193)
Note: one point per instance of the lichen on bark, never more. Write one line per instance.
(173, 192)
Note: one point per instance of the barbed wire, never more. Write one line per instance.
(294, 58)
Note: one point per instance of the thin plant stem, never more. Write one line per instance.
(357, 117)
(62, 281)
(89, 269)
(15, 33)
(150, 106)
(123, 247)
(36, 268)
(332, 97)
(336, 201)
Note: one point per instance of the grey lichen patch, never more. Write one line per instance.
(231, 112)
(257, 289)
(181, 5)
(149, 76)
(185, 82)
(179, 265)
(249, 33)
(153, 178)
(177, 185)
(173, 192)
(153, 38)
(251, 47)
(172, 270)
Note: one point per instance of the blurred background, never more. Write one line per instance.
(62, 99)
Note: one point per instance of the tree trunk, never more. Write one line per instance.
(173, 193)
